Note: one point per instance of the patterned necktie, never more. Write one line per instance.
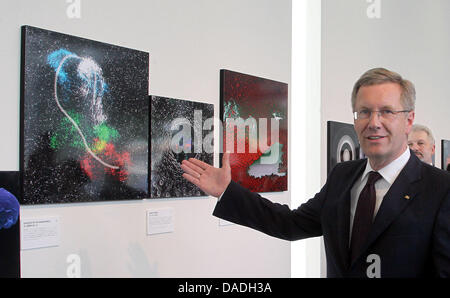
(362, 221)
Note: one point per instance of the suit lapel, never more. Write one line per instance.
(400, 194)
(343, 213)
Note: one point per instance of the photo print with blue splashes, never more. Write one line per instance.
(9, 224)
(85, 119)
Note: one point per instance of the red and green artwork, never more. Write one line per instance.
(254, 114)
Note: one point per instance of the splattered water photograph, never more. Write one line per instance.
(9, 224)
(180, 129)
(84, 119)
(254, 113)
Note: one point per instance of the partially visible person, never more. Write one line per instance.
(421, 142)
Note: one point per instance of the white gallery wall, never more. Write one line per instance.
(411, 37)
(189, 42)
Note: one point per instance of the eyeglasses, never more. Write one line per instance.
(384, 114)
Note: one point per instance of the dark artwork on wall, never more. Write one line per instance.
(343, 144)
(9, 225)
(445, 153)
(180, 129)
(254, 113)
(84, 134)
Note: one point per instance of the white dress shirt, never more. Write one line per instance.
(389, 174)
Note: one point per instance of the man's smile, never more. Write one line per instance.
(375, 137)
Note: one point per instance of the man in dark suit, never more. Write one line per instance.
(385, 216)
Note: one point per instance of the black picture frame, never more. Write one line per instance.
(342, 144)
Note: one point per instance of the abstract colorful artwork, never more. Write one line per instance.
(180, 129)
(84, 119)
(9, 225)
(445, 153)
(254, 114)
(343, 144)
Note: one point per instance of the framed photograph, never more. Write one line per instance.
(445, 153)
(342, 144)
(180, 129)
(9, 224)
(254, 115)
(84, 119)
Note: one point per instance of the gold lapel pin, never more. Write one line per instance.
(407, 197)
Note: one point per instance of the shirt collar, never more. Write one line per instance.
(392, 170)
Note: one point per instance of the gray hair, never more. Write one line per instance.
(377, 76)
(420, 127)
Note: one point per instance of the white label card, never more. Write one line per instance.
(223, 222)
(160, 221)
(39, 232)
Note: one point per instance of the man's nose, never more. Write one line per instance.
(374, 120)
(413, 147)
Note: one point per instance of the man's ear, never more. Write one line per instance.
(410, 121)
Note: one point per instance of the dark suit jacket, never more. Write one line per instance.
(410, 236)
